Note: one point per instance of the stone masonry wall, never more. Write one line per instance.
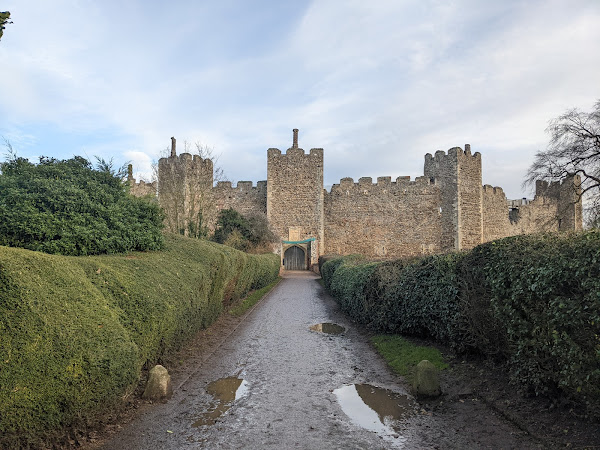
(141, 189)
(555, 207)
(470, 232)
(246, 199)
(185, 192)
(295, 193)
(458, 175)
(386, 219)
(495, 218)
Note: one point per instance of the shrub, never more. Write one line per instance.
(75, 332)
(531, 300)
(546, 291)
(419, 297)
(249, 234)
(66, 207)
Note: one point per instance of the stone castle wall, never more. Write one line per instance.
(141, 188)
(248, 200)
(555, 207)
(384, 219)
(445, 210)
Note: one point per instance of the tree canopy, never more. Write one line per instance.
(573, 150)
(4, 16)
(67, 207)
(251, 234)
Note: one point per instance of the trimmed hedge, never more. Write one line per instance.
(532, 300)
(75, 332)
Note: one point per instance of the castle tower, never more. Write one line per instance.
(458, 174)
(295, 200)
(185, 192)
(567, 194)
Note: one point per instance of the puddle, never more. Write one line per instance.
(375, 409)
(329, 328)
(225, 392)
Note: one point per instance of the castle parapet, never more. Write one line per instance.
(383, 183)
(489, 189)
(454, 152)
(242, 186)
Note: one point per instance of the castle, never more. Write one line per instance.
(446, 209)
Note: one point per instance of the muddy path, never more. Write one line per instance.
(277, 383)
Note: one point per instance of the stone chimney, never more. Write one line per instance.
(173, 146)
(295, 141)
(130, 172)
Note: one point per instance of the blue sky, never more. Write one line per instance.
(377, 84)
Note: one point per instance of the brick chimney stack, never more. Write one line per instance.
(295, 142)
(173, 151)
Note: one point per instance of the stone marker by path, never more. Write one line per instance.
(427, 380)
(159, 384)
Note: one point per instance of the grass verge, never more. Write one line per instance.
(252, 299)
(403, 356)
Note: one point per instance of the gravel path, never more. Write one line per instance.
(275, 383)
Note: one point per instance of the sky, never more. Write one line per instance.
(377, 84)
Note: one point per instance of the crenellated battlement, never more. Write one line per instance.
(555, 188)
(489, 189)
(242, 186)
(295, 152)
(383, 183)
(187, 159)
(454, 152)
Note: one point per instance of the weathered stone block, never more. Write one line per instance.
(159, 384)
(427, 380)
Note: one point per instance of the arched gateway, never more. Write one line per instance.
(294, 258)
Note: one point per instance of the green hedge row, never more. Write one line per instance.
(75, 332)
(533, 301)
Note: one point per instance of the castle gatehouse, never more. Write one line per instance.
(444, 210)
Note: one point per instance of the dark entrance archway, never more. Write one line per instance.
(294, 258)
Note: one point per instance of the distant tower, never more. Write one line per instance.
(295, 196)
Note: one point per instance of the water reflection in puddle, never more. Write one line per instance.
(373, 408)
(329, 328)
(224, 391)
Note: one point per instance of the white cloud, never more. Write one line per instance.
(377, 84)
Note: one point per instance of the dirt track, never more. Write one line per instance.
(275, 383)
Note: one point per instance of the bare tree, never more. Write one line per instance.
(573, 151)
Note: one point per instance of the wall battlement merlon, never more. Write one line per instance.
(241, 186)
(544, 188)
(294, 151)
(488, 188)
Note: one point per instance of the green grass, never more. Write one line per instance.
(252, 299)
(403, 356)
(76, 332)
